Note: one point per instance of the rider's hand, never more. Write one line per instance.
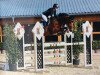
(49, 16)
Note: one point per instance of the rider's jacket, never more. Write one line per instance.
(50, 12)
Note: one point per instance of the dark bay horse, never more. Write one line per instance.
(57, 25)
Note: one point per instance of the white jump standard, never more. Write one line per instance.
(87, 36)
(38, 32)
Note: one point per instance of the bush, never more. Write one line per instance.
(96, 44)
(77, 49)
(10, 44)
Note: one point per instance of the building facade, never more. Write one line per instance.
(29, 12)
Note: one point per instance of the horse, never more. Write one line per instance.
(53, 28)
(58, 25)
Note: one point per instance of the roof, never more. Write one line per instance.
(26, 8)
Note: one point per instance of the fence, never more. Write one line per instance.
(56, 53)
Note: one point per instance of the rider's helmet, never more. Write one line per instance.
(55, 6)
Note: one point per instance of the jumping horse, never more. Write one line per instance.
(57, 25)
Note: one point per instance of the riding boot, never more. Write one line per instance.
(44, 23)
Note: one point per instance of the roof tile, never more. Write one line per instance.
(14, 8)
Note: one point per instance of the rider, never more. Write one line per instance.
(48, 14)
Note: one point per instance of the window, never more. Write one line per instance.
(28, 36)
(96, 27)
(96, 31)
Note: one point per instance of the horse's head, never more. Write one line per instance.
(54, 26)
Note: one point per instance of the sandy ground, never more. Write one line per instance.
(62, 70)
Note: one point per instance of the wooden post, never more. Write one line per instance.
(59, 38)
(0, 34)
(44, 38)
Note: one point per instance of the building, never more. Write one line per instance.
(29, 12)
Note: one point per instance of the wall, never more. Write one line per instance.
(91, 18)
(22, 20)
(31, 20)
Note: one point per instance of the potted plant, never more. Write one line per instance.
(77, 48)
(11, 47)
(96, 45)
